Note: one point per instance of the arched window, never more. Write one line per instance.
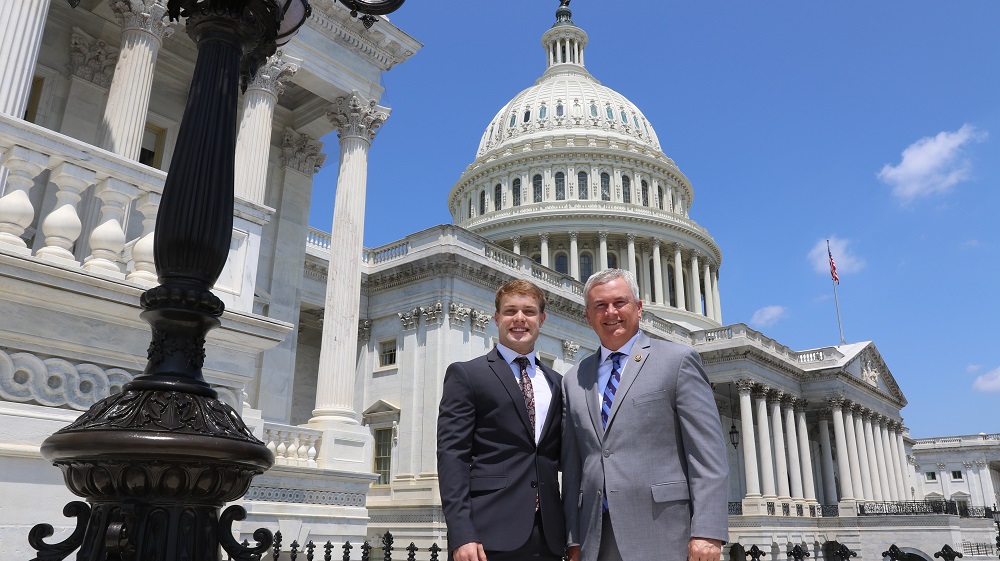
(659, 196)
(559, 110)
(482, 202)
(513, 120)
(645, 193)
(605, 187)
(516, 192)
(612, 261)
(586, 266)
(527, 115)
(626, 189)
(497, 197)
(611, 113)
(543, 112)
(536, 188)
(624, 118)
(560, 186)
(593, 110)
(562, 263)
(581, 185)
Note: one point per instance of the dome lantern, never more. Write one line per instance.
(564, 42)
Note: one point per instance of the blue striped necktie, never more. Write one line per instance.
(612, 387)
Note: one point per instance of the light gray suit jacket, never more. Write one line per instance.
(661, 459)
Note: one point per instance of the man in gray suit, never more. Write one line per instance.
(644, 464)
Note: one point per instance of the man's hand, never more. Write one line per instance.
(574, 553)
(703, 549)
(473, 551)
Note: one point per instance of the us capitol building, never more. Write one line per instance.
(335, 354)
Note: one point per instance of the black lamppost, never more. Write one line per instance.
(157, 461)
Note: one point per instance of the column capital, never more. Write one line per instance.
(544, 236)
(823, 414)
(942, 466)
(301, 152)
(678, 248)
(603, 236)
(355, 116)
(656, 244)
(801, 405)
(967, 465)
(91, 59)
(855, 407)
(760, 391)
(981, 464)
(143, 15)
(866, 414)
(837, 402)
(630, 238)
(775, 397)
(644, 247)
(788, 400)
(573, 236)
(744, 385)
(516, 239)
(271, 75)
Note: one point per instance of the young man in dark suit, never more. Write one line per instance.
(498, 442)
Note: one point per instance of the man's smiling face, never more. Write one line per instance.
(613, 312)
(519, 320)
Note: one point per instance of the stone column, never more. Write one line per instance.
(544, 237)
(62, 226)
(829, 483)
(794, 463)
(143, 267)
(862, 485)
(881, 458)
(574, 256)
(659, 292)
(709, 293)
(20, 38)
(777, 431)
(144, 25)
(630, 239)
(945, 479)
(108, 239)
(679, 278)
(718, 301)
(253, 143)
(843, 464)
(764, 436)
(986, 476)
(896, 439)
(16, 210)
(872, 459)
(745, 386)
(516, 240)
(696, 306)
(805, 456)
(602, 252)
(357, 121)
(645, 290)
(891, 461)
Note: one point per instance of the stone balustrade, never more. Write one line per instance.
(319, 239)
(291, 445)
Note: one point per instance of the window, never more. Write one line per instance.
(562, 263)
(581, 185)
(626, 189)
(383, 455)
(387, 353)
(513, 120)
(612, 261)
(586, 266)
(593, 110)
(645, 193)
(517, 192)
(956, 475)
(636, 121)
(482, 202)
(34, 99)
(560, 186)
(930, 476)
(497, 196)
(605, 187)
(559, 110)
(536, 188)
(527, 115)
(151, 152)
(659, 197)
(611, 113)
(543, 112)
(624, 117)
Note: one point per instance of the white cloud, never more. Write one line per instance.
(970, 244)
(989, 382)
(973, 368)
(847, 261)
(932, 164)
(768, 316)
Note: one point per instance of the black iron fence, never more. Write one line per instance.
(977, 548)
(347, 551)
(890, 508)
(735, 508)
(829, 510)
(831, 551)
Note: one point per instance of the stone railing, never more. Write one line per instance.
(386, 253)
(981, 439)
(759, 340)
(292, 446)
(116, 241)
(318, 239)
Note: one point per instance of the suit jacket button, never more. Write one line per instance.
(607, 453)
(534, 484)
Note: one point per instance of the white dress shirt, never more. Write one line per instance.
(539, 384)
(604, 368)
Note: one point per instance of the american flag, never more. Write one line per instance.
(833, 267)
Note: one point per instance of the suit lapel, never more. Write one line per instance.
(502, 370)
(588, 381)
(555, 404)
(631, 370)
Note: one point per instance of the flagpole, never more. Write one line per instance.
(836, 300)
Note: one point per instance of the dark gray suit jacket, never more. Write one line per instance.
(661, 458)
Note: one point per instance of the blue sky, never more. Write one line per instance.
(873, 124)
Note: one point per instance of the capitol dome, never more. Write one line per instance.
(571, 174)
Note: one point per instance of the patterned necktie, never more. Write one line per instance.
(528, 390)
(612, 387)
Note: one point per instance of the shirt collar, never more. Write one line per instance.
(626, 348)
(509, 355)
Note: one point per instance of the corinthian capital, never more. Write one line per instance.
(143, 15)
(353, 115)
(271, 76)
(300, 152)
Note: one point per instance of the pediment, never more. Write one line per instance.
(869, 367)
(381, 407)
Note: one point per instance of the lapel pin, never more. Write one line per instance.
(638, 358)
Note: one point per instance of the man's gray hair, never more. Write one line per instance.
(609, 275)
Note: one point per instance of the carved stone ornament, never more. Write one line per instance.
(570, 348)
(91, 59)
(744, 385)
(271, 76)
(409, 318)
(870, 367)
(480, 319)
(144, 15)
(458, 313)
(301, 152)
(356, 116)
(364, 330)
(54, 382)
